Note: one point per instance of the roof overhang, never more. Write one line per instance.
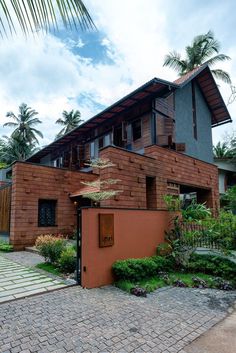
(147, 91)
(211, 93)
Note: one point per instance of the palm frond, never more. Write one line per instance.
(215, 59)
(10, 124)
(33, 15)
(222, 75)
(174, 61)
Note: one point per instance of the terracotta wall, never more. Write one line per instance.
(136, 234)
(33, 182)
(163, 164)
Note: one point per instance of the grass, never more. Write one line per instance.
(154, 283)
(49, 268)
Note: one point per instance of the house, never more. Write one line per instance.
(227, 173)
(159, 138)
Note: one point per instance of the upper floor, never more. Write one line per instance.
(176, 115)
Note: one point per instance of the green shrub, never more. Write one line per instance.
(50, 247)
(4, 246)
(213, 265)
(138, 269)
(67, 261)
(196, 212)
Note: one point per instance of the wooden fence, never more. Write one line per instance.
(5, 209)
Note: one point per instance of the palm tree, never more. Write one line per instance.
(221, 150)
(70, 121)
(203, 50)
(24, 124)
(31, 15)
(15, 148)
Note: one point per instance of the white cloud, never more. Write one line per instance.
(137, 34)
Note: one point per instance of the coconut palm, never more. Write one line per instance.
(14, 148)
(69, 121)
(31, 15)
(203, 50)
(24, 124)
(222, 150)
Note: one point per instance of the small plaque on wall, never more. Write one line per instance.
(106, 230)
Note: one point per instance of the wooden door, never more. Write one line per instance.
(5, 208)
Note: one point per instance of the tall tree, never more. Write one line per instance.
(24, 124)
(205, 49)
(32, 15)
(15, 148)
(69, 121)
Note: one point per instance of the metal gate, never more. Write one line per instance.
(5, 209)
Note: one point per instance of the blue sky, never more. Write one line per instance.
(89, 71)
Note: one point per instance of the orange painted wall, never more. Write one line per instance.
(136, 234)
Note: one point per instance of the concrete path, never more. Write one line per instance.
(17, 281)
(220, 339)
(107, 320)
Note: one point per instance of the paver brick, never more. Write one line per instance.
(107, 320)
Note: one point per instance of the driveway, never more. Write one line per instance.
(17, 281)
(76, 320)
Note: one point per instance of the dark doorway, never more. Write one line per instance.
(118, 136)
(151, 192)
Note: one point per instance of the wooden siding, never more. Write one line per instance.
(5, 206)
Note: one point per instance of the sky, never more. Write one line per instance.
(89, 71)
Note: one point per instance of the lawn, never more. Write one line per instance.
(49, 268)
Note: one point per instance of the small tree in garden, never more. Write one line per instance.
(102, 190)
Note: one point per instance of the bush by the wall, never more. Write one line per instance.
(138, 269)
(67, 261)
(50, 247)
(213, 265)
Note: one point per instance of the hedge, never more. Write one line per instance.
(138, 269)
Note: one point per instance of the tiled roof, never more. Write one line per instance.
(181, 80)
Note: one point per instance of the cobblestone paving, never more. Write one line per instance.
(24, 258)
(17, 281)
(76, 320)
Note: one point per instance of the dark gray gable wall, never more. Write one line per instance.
(201, 147)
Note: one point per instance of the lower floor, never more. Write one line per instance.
(43, 200)
(76, 320)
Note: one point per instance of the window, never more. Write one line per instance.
(136, 129)
(47, 213)
(100, 143)
(58, 163)
(194, 111)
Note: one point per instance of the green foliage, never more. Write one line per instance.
(48, 267)
(24, 124)
(4, 246)
(230, 198)
(45, 15)
(173, 203)
(222, 150)
(164, 249)
(201, 280)
(3, 165)
(182, 243)
(204, 49)
(195, 212)
(221, 231)
(137, 269)
(213, 265)
(70, 121)
(67, 261)
(50, 247)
